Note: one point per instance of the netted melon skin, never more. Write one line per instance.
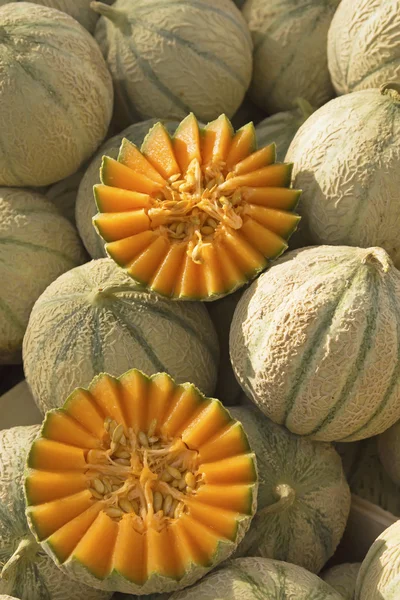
(343, 578)
(315, 342)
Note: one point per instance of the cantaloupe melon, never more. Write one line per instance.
(46, 57)
(389, 452)
(85, 203)
(315, 342)
(64, 193)
(26, 572)
(169, 59)
(347, 163)
(195, 216)
(94, 319)
(379, 576)
(140, 485)
(37, 244)
(290, 57)
(363, 44)
(343, 579)
(303, 496)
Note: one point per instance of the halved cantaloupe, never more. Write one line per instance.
(208, 196)
(138, 484)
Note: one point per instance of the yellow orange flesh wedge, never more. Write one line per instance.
(172, 213)
(142, 477)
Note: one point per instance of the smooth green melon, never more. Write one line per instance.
(37, 244)
(56, 95)
(64, 193)
(389, 452)
(303, 496)
(95, 318)
(315, 342)
(347, 163)
(343, 578)
(170, 59)
(290, 57)
(26, 571)
(363, 44)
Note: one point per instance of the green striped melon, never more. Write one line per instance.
(56, 95)
(171, 58)
(303, 496)
(343, 579)
(259, 579)
(347, 163)
(95, 319)
(63, 194)
(290, 57)
(389, 452)
(85, 204)
(315, 342)
(26, 570)
(363, 44)
(37, 244)
(379, 576)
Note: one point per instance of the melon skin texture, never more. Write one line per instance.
(59, 67)
(64, 193)
(363, 46)
(170, 59)
(347, 162)
(257, 578)
(37, 245)
(97, 319)
(379, 576)
(303, 496)
(86, 208)
(34, 576)
(343, 579)
(290, 58)
(315, 342)
(389, 452)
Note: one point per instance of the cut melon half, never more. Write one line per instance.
(205, 196)
(140, 485)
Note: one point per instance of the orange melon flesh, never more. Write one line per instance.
(143, 267)
(80, 407)
(261, 158)
(95, 549)
(243, 143)
(134, 390)
(130, 553)
(237, 497)
(157, 148)
(271, 176)
(105, 392)
(278, 221)
(115, 200)
(166, 275)
(117, 175)
(186, 142)
(202, 537)
(187, 407)
(220, 520)
(45, 486)
(227, 442)
(52, 456)
(130, 156)
(231, 274)
(114, 226)
(161, 390)
(213, 273)
(216, 140)
(247, 257)
(124, 251)
(162, 554)
(192, 282)
(238, 469)
(209, 421)
(60, 427)
(267, 242)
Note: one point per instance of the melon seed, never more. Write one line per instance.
(99, 486)
(212, 223)
(143, 439)
(122, 454)
(113, 511)
(167, 477)
(181, 484)
(96, 494)
(122, 461)
(135, 506)
(153, 439)
(167, 504)
(157, 501)
(152, 428)
(175, 483)
(107, 423)
(206, 230)
(190, 479)
(173, 508)
(179, 510)
(118, 433)
(174, 472)
(122, 441)
(125, 505)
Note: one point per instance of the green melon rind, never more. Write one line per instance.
(343, 578)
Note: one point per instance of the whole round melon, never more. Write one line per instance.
(314, 342)
(389, 452)
(379, 576)
(303, 496)
(169, 59)
(343, 579)
(290, 57)
(37, 244)
(95, 318)
(363, 45)
(27, 572)
(347, 162)
(56, 93)
(63, 194)
(258, 579)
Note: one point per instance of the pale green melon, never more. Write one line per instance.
(97, 319)
(290, 58)
(63, 194)
(56, 95)
(303, 497)
(259, 579)
(347, 163)
(363, 44)
(85, 204)
(37, 244)
(315, 342)
(343, 579)
(27, 572)
(379, 576)
(389, 452)
(170, 59)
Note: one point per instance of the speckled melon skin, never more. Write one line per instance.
(290, 58)
(48, 57)
(315, 342)
(363, 45)
(37, 245)
(113, 331)
(347, 162)
(85, 208)
(379, 576)
(343, 579)
(35, 577)
(389, 452)
(306, 529)
(167, 59)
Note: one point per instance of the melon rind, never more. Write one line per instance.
(343, 578)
